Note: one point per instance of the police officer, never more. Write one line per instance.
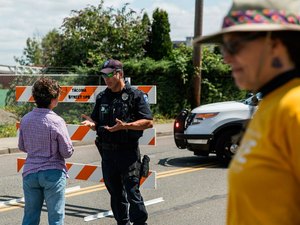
(119, 117)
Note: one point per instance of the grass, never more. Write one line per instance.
(159, 119)
(163, 120)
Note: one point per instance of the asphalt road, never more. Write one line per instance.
(193, 189)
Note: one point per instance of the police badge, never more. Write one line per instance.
(124, 96)
(106, 63)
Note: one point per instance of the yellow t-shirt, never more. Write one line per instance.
(264, 176)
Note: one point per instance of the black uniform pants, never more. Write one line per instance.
(120, 166)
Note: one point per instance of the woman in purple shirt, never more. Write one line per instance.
(45, 139)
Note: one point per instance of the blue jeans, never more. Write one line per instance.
(48, 185)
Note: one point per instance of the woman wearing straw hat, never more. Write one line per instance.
(260, 40)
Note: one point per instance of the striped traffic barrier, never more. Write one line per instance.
(80, 94)
(89, 172)
(85, 134)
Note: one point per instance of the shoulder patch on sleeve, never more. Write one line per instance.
(146, 98)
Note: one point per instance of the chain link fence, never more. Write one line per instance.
(12, 111)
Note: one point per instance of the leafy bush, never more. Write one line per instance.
(166, 75)
(217, 83)
(173, 78)
(8, 130)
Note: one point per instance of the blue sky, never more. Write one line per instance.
(21, 19)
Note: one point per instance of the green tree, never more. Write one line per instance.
(91, 35)
(147, 23)
(95, 33)
(41, 51)
(161, 44)
(51, 47)
(32, 53)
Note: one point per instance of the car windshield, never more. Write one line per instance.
(253, 100)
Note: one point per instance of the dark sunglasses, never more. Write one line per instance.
(233, 47)
(108, 75)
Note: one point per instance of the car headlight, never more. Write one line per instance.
(203, 116)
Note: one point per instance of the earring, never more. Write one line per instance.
(276, 63)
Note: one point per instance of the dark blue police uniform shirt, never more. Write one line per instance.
(140, 102)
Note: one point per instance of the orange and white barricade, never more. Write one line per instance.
(85, 134)
(89, 172)
(80, 94)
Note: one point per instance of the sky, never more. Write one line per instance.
(22, 19)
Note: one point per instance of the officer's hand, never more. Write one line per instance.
(88, 122)
(120, 125)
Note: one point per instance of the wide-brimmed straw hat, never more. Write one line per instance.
(257, 15)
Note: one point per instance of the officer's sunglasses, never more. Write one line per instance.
(233, 47)
(108, 75)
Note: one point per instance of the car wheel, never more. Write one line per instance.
(227, 144)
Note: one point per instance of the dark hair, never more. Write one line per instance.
(44, 90)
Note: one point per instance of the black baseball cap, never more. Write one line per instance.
(111, 65)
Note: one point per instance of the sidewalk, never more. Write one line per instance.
(10, 145)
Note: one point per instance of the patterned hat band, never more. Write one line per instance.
(265, 16)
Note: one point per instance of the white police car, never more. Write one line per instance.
(214, 128)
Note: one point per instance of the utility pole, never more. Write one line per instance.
(197, 52)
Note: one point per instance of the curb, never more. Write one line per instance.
(9, 150)
(4, 151)
(160, 134)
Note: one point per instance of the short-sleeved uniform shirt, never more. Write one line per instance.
(264, 176)
(128, 105)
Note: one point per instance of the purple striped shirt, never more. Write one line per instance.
(45, 139)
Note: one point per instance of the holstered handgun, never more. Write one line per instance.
(145, 166)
